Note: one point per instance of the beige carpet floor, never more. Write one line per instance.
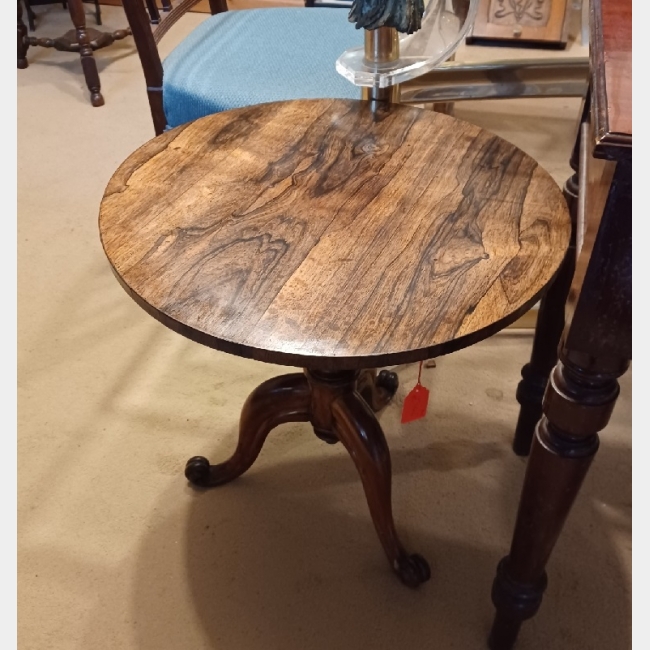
(116, 552)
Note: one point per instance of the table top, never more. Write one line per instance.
(611, 63)
(321, 233)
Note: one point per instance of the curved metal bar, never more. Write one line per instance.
(507, 79)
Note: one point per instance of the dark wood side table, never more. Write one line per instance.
(596, 345)
(80, 39)
(330, 236)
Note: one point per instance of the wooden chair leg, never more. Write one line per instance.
(154, 14)
(218, 6)
(278, 400)
(23, 45)
(98, 13)
(88, 63)
(358, 430)
(578, 404)
(31, 16)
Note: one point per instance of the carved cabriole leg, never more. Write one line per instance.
(578, 403)
(88, 63)
(358, 430)
(337, 412)
(550, 324)
(22, 39)
(340, 413)
(278, 400)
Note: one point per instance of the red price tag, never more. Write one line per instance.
(415, 403)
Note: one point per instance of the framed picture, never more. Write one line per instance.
(527, 22)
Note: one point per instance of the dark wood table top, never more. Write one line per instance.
(611, 63)
(319, 233)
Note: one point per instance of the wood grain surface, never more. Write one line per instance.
(322, 234)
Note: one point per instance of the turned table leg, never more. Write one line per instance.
(23, 45)
(550, 323)
(578, 403)
(337, 412)
(88, 63)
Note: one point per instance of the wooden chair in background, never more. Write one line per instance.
(81, 40)
(239, 58)
(31, 16)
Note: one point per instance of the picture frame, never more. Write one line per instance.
(540, 23)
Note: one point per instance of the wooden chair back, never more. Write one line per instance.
(148, 27)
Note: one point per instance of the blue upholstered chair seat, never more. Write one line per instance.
(240, 58)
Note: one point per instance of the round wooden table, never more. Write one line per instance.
(338, 237)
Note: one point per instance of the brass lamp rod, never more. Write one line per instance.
(381, 46)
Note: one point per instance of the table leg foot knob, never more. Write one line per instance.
(197, 471)
(389, 381)
(96, 99)
(413, 570)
